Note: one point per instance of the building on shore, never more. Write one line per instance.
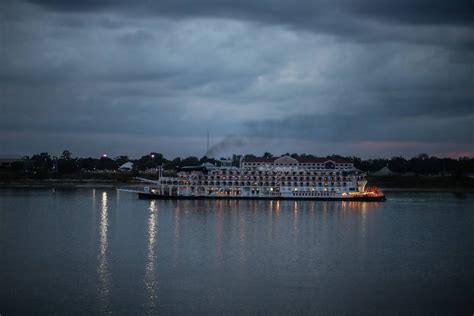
(385, 171)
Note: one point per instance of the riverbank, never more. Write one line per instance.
(453, 190)
(116, 184)
(69, 184)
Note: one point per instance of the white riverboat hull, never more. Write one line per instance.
(364, 198)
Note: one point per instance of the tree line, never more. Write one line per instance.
(421, 164)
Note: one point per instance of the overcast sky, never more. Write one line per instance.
(368, 78)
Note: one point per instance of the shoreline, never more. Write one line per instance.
(68, 184)
(448, 190)
(73, 184)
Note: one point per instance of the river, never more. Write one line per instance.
(106, 252)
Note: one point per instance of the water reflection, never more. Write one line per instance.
(363, 219)
(295, 221)
(219, 232)
(242, 237)
(276, 221)
(325, 212)
(177, 230)
(103, 264)
(93, 198)
(270, 220)
(362, 209)
(117, 197)
(150, 274)
(277, 205)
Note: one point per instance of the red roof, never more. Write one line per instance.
(259, 159)
(301, 159)
(309, 159)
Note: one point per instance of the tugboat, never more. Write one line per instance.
(274, 178)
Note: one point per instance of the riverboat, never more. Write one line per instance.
(275, 178)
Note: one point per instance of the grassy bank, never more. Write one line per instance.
(76, 180)
(422, 183)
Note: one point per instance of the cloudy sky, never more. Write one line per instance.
(368, 78)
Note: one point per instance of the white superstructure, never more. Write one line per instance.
(268, 177)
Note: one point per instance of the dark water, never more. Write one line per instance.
(95, 251)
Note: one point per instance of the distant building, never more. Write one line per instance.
(385, 171)
(128, 166)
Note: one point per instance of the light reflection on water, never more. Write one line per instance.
(177, 228)
(242, 237)
(270, 219)
(103, 264)
(219, 232)
(151, 280)
(93, 199)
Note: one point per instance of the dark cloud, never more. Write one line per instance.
(334, 76)
(302, 12)
(361, 21)
(367, 127)
(418, 11)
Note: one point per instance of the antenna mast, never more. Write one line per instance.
(207, 150)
